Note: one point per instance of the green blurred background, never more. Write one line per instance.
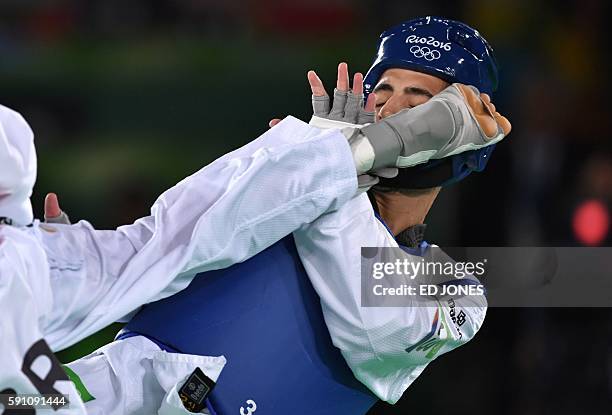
(128, 97)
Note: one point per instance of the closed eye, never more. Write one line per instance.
(380, 105)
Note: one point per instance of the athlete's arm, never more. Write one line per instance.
(27, 364)
(223, 214)
(30, 367)
(383, 346)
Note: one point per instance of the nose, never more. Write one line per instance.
(394, 104)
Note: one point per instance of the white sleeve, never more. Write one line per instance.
(387, 348)
(223, 214)
(133, 376)
(27, 365)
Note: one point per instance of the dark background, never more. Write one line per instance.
(128, 97)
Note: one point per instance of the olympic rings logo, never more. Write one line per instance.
(425, 52)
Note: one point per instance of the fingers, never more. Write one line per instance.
(348, 105)
(342, 83)
(366, 181)
(354, 105)
(477, 104)
(52, 208)
(338, 107)
(273, 122)
(358, 83)
(486, 99)
(370, 105)
(367, 114)
(354, 110)
(341, 94)
(320, 99)
(386, 172)
(53, 212)
(320, 105)
(316, 85)
(502, 121)
(485, 111)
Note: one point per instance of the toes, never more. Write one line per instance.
(504, 123)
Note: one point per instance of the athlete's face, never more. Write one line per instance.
(398, 89)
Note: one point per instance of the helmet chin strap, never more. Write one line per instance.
(434, 174)
(442, 172)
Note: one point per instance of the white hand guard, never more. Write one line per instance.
(348, 113)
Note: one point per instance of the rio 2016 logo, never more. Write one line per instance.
(430, 40)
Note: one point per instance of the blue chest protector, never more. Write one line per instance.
(264, 316)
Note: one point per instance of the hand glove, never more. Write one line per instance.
(348, 113)
(61, 219)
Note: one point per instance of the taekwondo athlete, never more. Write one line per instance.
(276, 332)
(89, 278)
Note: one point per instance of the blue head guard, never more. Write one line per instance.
(454, 52)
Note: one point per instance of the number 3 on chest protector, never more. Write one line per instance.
(251, 407)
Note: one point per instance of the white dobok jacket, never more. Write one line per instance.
(63, 283)
(294, 178)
